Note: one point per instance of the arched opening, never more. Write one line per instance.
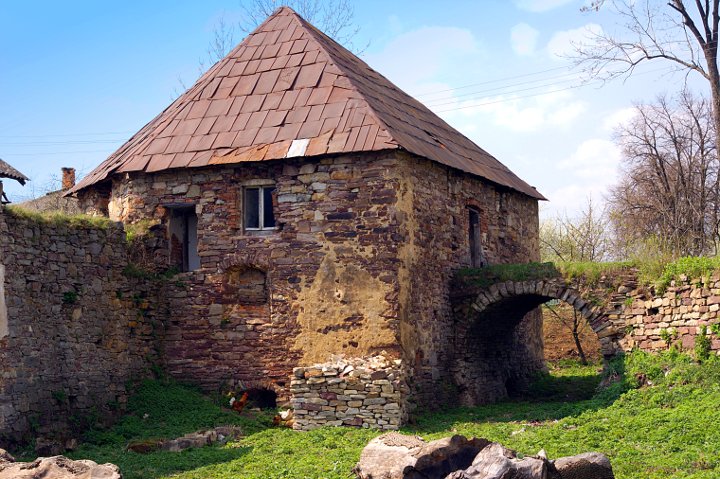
(500, 350)
(499, 344)
(567, 335)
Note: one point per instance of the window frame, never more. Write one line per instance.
(261, 208)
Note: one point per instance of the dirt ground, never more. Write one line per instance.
(558, 338)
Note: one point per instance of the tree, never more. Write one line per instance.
(670, 185)
(334, 17)
(582, 238)
(680, 32)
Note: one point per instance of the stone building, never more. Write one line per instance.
(314, 209)
(56, 201)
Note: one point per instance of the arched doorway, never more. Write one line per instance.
(499, 343)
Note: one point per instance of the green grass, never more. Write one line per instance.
(498, 273)
(668, 429)
(59, 219)
(658, 274)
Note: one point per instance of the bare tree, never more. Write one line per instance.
(334, 17)
(670, 184)
(582, 238)
(680, 32)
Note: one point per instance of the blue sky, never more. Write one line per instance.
(78, 78)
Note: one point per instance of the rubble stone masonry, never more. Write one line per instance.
(360, 263)
(75, 331)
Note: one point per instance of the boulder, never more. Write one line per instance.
(396, 456)
(589, 465)
(498, 462)
(58, 467)
(5, 456)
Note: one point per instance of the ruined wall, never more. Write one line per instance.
(331, 267)
(361, 393)
(653, 322)
(434, 203)
(77, 328)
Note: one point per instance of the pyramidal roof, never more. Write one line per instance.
(290, 90)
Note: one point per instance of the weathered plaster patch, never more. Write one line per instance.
(342, 313)
(4, 329)
(408, 253)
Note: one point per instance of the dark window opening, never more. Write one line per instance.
(477, 258)
(262, 398)
(184, 238)
(258, 205)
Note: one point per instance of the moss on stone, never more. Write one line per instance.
(59, 219)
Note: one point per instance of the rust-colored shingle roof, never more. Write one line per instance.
(7, 171)
(290, 90)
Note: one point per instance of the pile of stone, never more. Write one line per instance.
(218, 435)
(357, 392)
(56, 467)
(396, 456)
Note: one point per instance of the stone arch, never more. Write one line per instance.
(497, 341)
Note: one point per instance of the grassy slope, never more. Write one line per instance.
(666, 430)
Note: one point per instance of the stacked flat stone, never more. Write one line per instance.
(367, 393)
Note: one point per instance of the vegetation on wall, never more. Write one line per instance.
(59, 219)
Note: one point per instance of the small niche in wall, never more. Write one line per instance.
(4, 329)
(245, 285)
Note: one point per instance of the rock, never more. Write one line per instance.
(498, 462)
(396, 456)
(46, 447)
(5, 456)
(58, 467)
(589, 465)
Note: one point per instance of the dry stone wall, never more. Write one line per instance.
(654, 322)
(354, 392)
(77, 328)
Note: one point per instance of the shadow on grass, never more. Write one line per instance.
(160, 463)
(552, 396)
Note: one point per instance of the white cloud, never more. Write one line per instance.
(523, 38)
(558, 109)
(563, 43)
(540, 5)
(618, 118)
(596, 159)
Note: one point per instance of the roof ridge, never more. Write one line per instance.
(320, 37)
(288, 90)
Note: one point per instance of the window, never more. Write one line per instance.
(258, 206)
(477, 259)
(184, 238)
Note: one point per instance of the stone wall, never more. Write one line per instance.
(653, 322)
(350, 392)
(360, 263)
(330, 268)
(436, 201)
(77, 328)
